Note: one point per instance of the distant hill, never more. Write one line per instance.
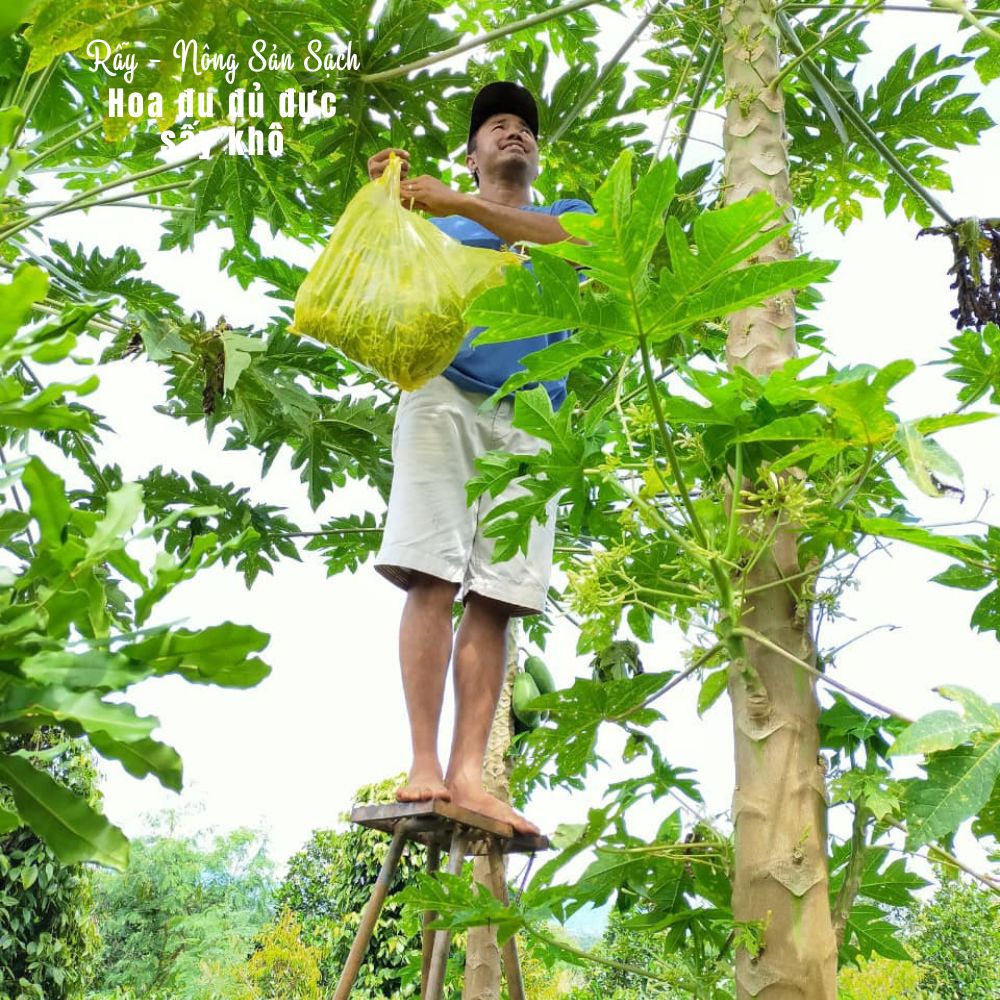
(587, 924)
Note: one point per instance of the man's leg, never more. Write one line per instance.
(425, 638)
(480, 667)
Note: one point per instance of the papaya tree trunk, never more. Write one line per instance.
(780, 885)
(482, 956)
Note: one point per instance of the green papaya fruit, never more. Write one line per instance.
(535, 666)
(525, 691)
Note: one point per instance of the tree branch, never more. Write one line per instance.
(750, 633)
(473, 43)
(852, 877)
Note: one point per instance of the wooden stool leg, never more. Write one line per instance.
(511, 963)
(427, 935)
(372, 909)
(442, 939)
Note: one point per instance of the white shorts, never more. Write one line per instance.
(429, 527)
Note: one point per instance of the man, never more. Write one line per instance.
(433, 546)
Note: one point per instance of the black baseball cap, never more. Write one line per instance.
(499, 97)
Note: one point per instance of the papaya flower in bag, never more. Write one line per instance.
(389, 288)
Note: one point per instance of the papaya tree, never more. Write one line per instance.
(716, 471)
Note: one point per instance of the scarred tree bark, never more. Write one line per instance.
(482, 962)
(779, 804)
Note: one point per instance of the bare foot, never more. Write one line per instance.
(480, 801)
(422, 786)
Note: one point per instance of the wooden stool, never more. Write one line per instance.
(435, 823)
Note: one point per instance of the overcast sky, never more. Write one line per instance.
(288, 755)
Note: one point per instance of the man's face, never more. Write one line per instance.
(505, 149)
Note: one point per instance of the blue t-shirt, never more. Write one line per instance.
(484, 368)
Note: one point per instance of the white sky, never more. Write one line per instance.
(288, 755)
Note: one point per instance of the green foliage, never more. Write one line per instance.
(180, 908)
(48, 937)
(546, 973)
(280, 968)
(626, 946)
(879, 978)
(915, 109)
(963, 765)
(640, 454)
(702, 282)
(957, 938)
(975, 356)
(70, 628)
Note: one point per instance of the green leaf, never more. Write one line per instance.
(976, 357)
(894, 885)
(577, 712)
(986, 615)
(987, 821)
(926, 463)
(239, 350)
(123, 507)
(885, 527)
(872, 933)
(162, 339)
(83, 708)
(964, 577)
(72, 829)
(215, 655)
(458, 903)
(9, 820)
(711, 690)
(11, 118)
(29, 285)
(142, 757)
(49, 506)
(931, 425)
(91, 670)
(977, 709)
(957, 785)
(935, 731)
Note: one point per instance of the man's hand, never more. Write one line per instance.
(430, 195)
(378, 162)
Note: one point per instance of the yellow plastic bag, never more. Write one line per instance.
(389, 288)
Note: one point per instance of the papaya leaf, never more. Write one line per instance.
(868, 932)
(976, 360)
(239, 350)
(884, 527)
(964, 577)
(958, 784)
(578, 712)
(49, 506)
(927, 464)
(459, 903)
(977, 709)
(123, 507)
(711, 690)
(986, 615)
(935, 731)
(29, 285)
(893, 885)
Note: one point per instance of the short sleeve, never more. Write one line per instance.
(571, 205)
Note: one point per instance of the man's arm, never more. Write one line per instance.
(511, 224)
